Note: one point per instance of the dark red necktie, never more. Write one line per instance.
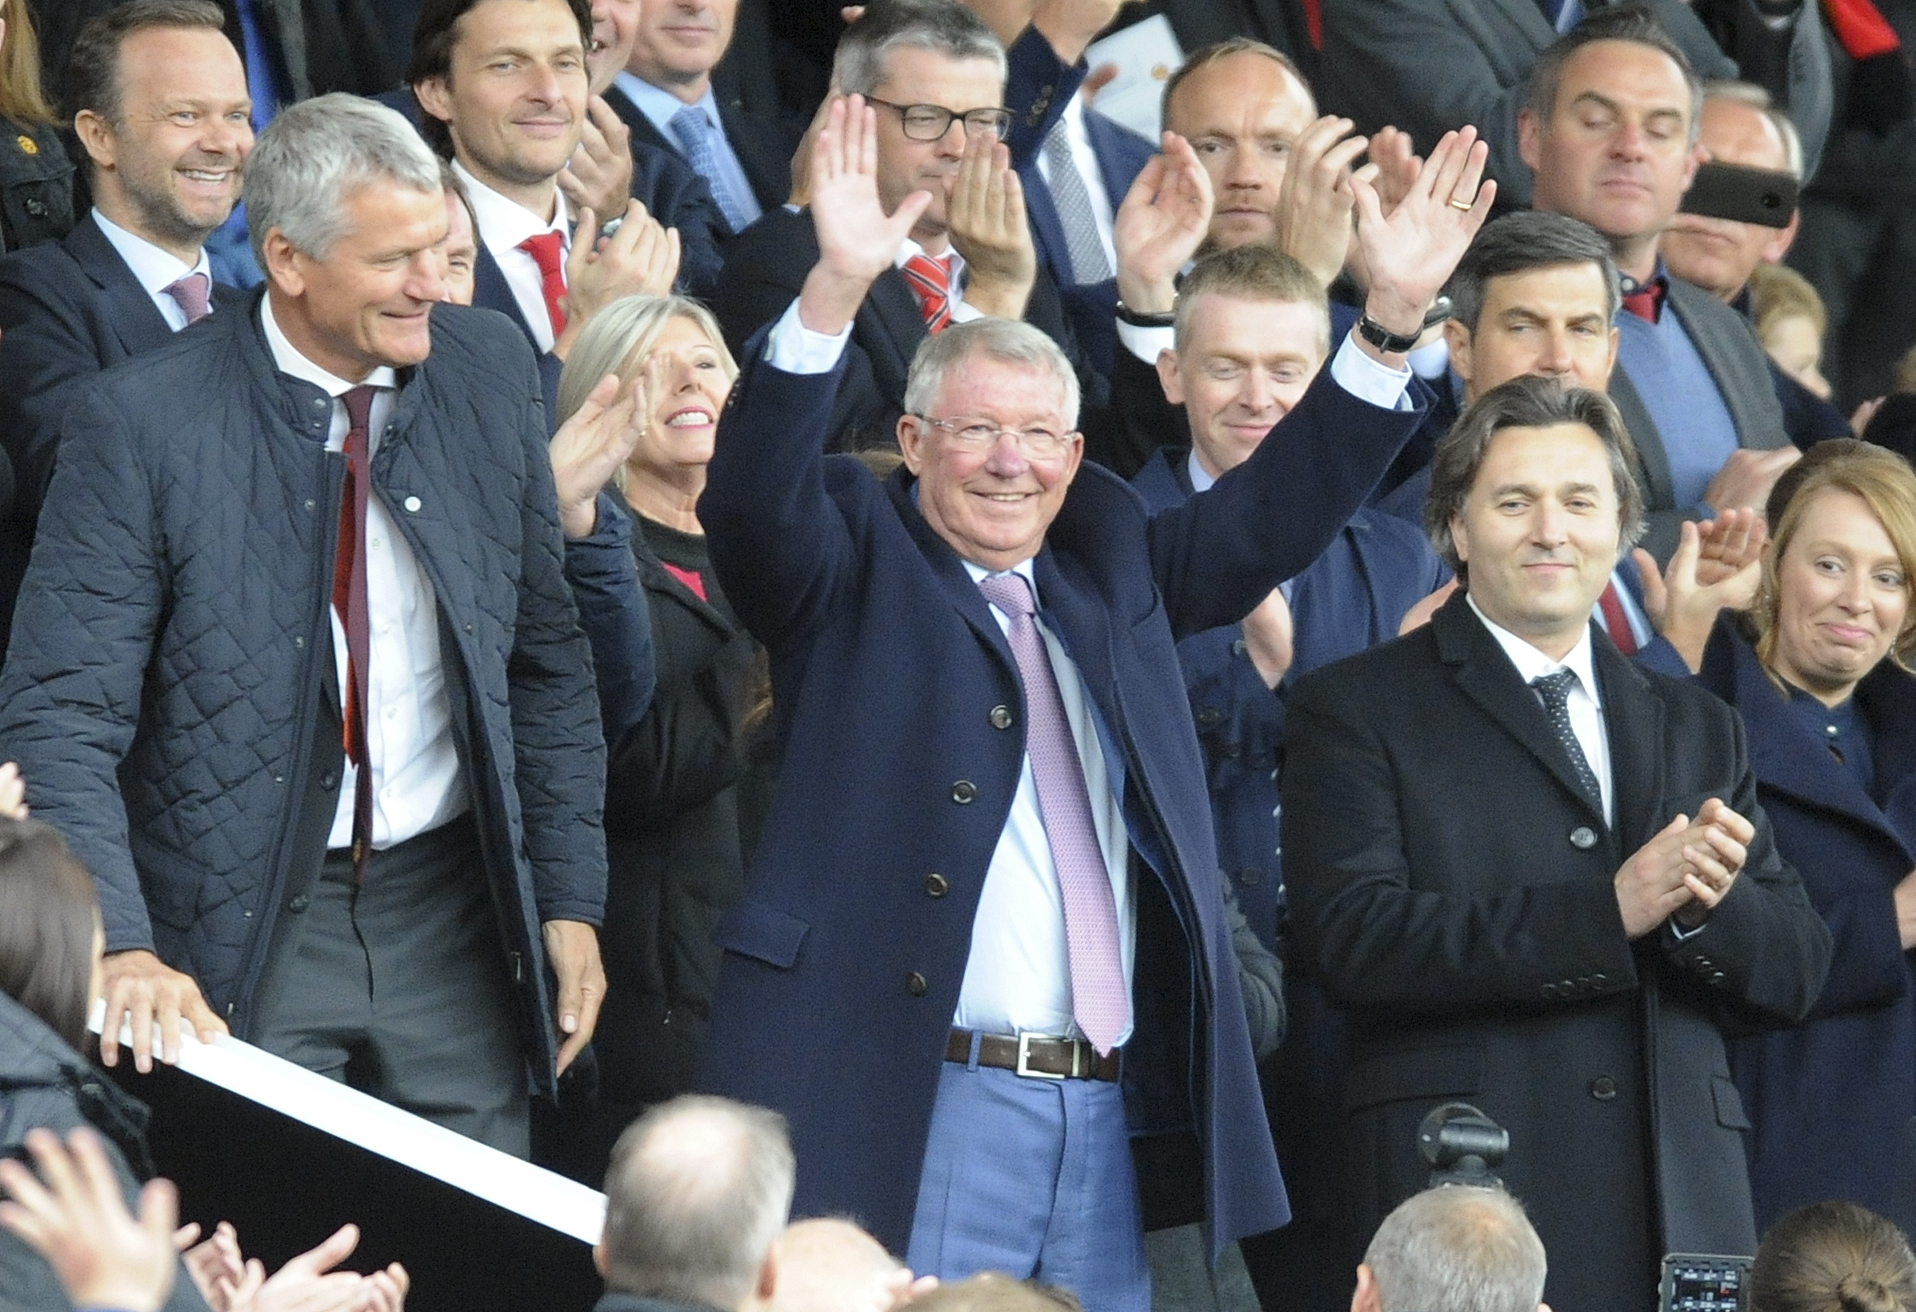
(349, 599)
(930, 282)
(1622, 636)
(548, 252)
(1646, 302)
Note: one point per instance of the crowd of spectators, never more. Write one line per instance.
(762, 604)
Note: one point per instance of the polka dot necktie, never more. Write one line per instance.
(1554, 689)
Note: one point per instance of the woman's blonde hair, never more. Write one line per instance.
(619, 339)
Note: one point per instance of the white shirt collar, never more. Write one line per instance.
(153, 268)
(1532, 664)
(504, 222)
(953, 260)
(289, 360)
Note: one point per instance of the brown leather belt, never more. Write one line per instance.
(1037, 1056)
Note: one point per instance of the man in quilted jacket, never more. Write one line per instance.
(297, 670)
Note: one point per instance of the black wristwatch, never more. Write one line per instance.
(1384, 339)
(1139, 319)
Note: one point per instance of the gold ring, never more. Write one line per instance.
(1466, 205)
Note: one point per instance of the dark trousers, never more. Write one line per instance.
(398, 987)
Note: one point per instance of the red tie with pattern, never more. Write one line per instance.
(548, 252)
(930, 282)
(349, 599)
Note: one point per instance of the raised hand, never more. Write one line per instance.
(1411, 253)
(591, 445)
(642, 256)
(1159, 226)
(985, 217)
(215, 1264)
(1683, 601)
(1396, 166)
(74, 1216)
(857, 240)
(1313, 215)
(599, 175)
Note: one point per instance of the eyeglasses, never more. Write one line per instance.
(973, 434)
(932, 122)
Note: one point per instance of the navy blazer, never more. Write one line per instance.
(68, 309)
(891, 682)
(1122, 154)
(1831, 1102)
(491, 291)
(764, 147)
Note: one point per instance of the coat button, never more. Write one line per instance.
(1001, 717)
(916, 984)
(1549, 991)
(299, 903)
(1249, 876)
(964, 792)
(937, 885)
(328, 781)
(412, 504)
(1716, 977)
(1583, 838)
(1603, 1088)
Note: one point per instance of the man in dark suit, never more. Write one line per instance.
(1013, 873)
(665, 96)
(1609, 132)
(937, 74)
(161, 109)
(1432, 65)
(1546, 890)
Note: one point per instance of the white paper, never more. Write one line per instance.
(345, 1113)
(1146, 54)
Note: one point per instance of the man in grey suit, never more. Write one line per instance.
(1609, 131)
(1432, 65)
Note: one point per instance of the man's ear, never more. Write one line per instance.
(1171, 377)
(1458, 338)
(599, 1259)
(281, 265)
(96, 136)
(434, 98)
(1366, 1298)
(1779, 245)
(911, 443)
(1530, 138)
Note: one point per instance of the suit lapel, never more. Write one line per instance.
(1633, 722)
(949, 570)
(1484, 674)
(491, 291)
(137, 322)
(890, 326)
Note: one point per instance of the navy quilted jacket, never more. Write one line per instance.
(162, 688)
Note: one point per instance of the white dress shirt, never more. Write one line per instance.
(1586, 711)
(156, 270)
(417, 783)
(503, 224)
(1086, 155)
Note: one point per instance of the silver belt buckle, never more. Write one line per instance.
(1024, 1058)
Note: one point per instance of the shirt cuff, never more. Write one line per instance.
(1678, 934)
(1370, 380)
(796, 349)
(1146, 343)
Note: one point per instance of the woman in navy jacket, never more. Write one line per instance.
(1818, 669)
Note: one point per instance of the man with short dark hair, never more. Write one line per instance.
(158, 100)
(1454, 1248)
(298, 672)
(1609, 131)
(1545, 890)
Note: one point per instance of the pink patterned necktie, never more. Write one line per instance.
(1100, 1004)
(191, 293)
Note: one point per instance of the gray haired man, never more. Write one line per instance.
(1456, 1248)
(298, 672)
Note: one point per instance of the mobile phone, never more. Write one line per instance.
(1731, 191)
(1695, 1282)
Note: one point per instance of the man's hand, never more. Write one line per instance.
(590, 446)
(1747, 477)
(216, 1265)
(13, 792)
(308, 1283)
(1270, 638)
(1684, 600)
(642, 256)
(1313, 216)
(1159, 226)
(1684, 871)
(1906, 910)
(1860, 417)
(857, 240)
(572, 947)
(1396, 167)
(599, 175)
(1412, 252)
(1071, 25)
(74, 1216)
(986, 218)
(141, 988)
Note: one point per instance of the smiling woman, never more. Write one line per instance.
(1819, 672)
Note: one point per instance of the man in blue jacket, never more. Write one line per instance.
(983, 944)
(324, 728)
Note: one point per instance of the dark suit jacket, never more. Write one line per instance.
(1428, 66)
(764, 146)
(67, 310)
(766, 266)
(491, 291)
(1741, 368)
(1832, 1100)
(844, 947)
(1121, 155)
(1451, 884)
